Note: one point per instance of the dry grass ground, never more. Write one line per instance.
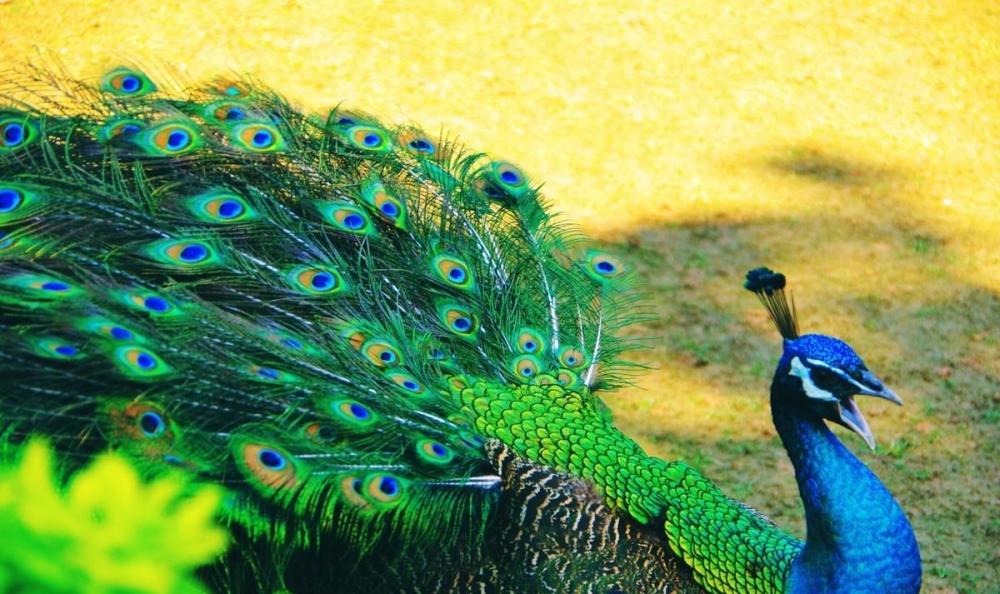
(854, 145)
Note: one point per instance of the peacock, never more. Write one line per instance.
(389, 352)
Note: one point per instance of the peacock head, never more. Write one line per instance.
(824, 374)
(818, 375)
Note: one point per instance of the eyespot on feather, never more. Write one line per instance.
(15, 242)
(384, 490)
(119, 126)
(319, 433)
(525, 367)
(287, 340)
(44, 287)
(568, 379)
(126, 82)
(109, 330)
(322, 281)
(381, 352)
(370, 139)
(340, 120)
(471, 439)
(433, 453)
(544, 379)
(267, 466)
(157, 306)
(388, 206)
(572, 357)
(507, 178)
(407, 382)
(350, 487)
(227, 112)
(139, 363)
(444, 360)
(56, 348)
(453, 271)
(417, 143)
(434, 352)
(346, 217)
(143, 429)
(221, 207)
(258, 137)
(530, 341)
(229, 88)
(354, 334)
(138, 421)
(351, 415)
(169, 139)
(17, 131)
(183, 254)
(485, 186)
(459, 320)
(19, 201)
(603, 267)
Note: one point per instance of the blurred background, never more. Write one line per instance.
(853, 145)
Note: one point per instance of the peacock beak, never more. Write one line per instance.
(848, 413)
(872, 386)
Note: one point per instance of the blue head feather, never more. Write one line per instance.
(819, 347)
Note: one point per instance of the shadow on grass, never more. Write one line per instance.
(878, 281)
(817, 165)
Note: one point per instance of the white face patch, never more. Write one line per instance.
(812, 390)
(862, 389)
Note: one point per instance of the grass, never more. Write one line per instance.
(707, 400)
(852, 145)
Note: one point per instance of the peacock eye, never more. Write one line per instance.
(829, 380)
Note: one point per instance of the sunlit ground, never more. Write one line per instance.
(855, 148)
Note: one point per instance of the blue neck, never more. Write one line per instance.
(858, 539)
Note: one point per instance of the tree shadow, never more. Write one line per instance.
(881, 282)
(815, 164)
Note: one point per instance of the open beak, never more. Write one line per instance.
(849, 415)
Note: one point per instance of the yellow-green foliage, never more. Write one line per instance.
(106, 532)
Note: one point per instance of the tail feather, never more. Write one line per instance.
(280, 302)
